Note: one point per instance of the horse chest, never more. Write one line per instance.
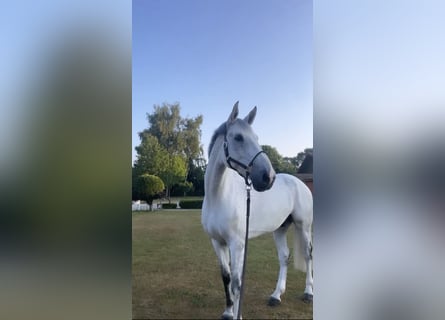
(220, 221)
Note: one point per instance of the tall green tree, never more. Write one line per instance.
(169, 145)
(178, 135)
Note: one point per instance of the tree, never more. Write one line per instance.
(147, 187)
(182, 189)
(301, 155)
(196, 176)
(153, 159)
(278, 163)
(151, 156)
(169, 146)
(177, 135)
(285, 164)
(175, 172)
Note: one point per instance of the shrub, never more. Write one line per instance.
(190, 204)
(169, 206)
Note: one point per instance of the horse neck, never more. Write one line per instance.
(216, 172)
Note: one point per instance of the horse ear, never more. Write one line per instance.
(234, 113)
(251, 116)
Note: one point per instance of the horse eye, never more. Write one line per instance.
(239, 138)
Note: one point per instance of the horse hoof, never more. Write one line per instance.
(308, 298)
(226, 317)
(273, 302)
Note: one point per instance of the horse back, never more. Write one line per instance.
(288, 196)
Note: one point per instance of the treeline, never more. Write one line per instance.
(282, 164)
(169, 159)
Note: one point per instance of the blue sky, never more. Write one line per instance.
(206, 55)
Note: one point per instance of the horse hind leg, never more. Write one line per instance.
(283, 257)
(222, 252)
(303, 256)
(307, 243)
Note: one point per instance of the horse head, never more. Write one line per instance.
(243, 152)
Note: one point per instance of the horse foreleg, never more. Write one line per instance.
(307, 242)
(236, 267)
(283, 256)
(222, 252)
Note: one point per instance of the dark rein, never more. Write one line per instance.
(248, 182)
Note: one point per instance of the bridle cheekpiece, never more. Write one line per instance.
(247, 167)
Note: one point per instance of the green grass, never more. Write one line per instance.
(176, 273)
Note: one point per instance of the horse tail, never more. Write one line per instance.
(303, 218)
(299, 262)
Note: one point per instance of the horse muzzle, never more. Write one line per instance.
(263, 181)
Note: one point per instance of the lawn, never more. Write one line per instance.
(176, 273)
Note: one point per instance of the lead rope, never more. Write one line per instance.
(246, 241)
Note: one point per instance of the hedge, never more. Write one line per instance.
(169, 206)
(190, 204)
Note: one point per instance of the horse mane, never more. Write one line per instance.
(222, 130)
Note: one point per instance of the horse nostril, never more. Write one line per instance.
(266, 178)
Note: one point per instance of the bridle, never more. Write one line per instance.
(247, 167)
